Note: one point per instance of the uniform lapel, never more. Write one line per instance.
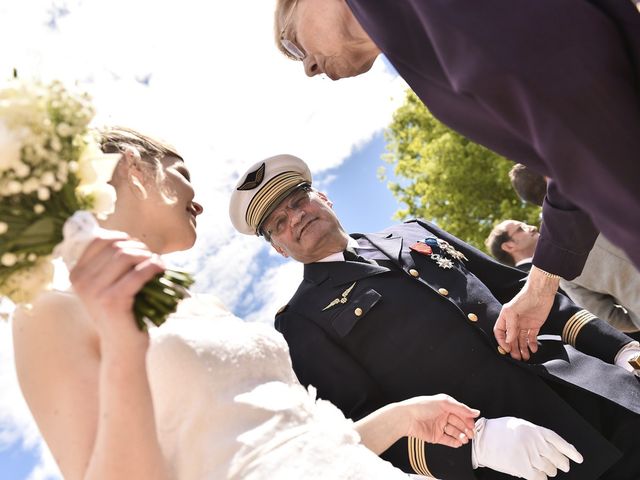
(388, 243)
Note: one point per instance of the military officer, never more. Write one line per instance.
(553, 85)
(409, 311)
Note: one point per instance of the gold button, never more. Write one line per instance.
(443, 291)
(414, 273)
(502, 351)
(473, 317)
(358, 311)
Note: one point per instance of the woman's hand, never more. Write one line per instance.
(439, 419)
(434, 419)
(106, 278)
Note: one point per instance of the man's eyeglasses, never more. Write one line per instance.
(277, 222)
(291, 48)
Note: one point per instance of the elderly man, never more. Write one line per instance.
(409, 311)
(553, 85)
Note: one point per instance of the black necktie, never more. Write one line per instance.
(352, 256)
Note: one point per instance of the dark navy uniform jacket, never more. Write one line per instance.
(367, 335)
(552, 84)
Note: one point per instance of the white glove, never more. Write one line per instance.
(626, 353)
(520, 448)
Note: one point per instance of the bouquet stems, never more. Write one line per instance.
(160, 297)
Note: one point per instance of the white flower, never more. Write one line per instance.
(8, 259)
(64, 130)
(38, 208)
(103, 197)
(23, 285)
(56, 145)
(10, 146)
(43, 194)
(30, 185)
(95, 166)
(32, 257)
(14, 187)
(22, 170)
(48, 179)
(3, 228)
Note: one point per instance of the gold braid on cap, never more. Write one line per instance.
(572, 328)
(417, 458)
(270, 193)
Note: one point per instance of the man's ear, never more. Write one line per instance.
(508, 246)
(324, 198)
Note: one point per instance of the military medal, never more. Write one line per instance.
(422, 248)
(441, 261)
(452, 252)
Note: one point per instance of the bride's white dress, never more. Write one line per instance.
(228, 405)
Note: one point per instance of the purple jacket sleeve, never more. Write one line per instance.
(567, 235)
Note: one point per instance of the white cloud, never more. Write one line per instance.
(217, 89)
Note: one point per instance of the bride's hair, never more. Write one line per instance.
(117, 139)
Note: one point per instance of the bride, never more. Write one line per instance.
(206, 395)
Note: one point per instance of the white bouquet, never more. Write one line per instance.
(51, 166)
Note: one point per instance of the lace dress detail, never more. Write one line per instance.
(228, 405)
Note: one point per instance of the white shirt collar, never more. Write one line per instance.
(339, 256)
(524, 260)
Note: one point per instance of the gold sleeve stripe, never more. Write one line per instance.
(574, 325)
(417, 458)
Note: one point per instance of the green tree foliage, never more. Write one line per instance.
(448, 179)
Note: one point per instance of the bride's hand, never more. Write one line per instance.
(106, 278)
(440, 419)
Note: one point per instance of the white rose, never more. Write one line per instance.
(3, 228)
(103, 197)
(10, 145)
(38, 208)
(95, 166)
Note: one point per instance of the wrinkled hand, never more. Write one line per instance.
(106, 278)
(516, 447)
(440, 419)
(520, 320)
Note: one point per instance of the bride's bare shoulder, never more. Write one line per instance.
(55, 315)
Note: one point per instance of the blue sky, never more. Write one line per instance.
(224, 109)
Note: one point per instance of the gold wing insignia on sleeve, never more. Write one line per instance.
(342, 299)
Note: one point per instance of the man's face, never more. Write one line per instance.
(523, 238)
(304, 227)
(330, 38)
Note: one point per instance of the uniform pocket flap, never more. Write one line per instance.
(354, 311)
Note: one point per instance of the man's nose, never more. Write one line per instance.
(295, 216)
(311, 66)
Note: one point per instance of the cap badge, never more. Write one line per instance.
(253, 178)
